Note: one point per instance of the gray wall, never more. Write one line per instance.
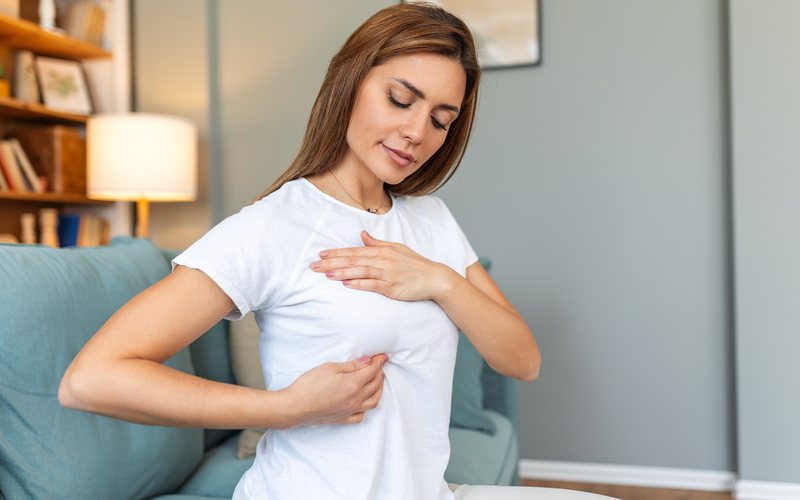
(766, 158)
(598, 183)
(171, 76)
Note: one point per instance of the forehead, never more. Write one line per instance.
(440, 78)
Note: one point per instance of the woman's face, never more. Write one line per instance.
(402, 112)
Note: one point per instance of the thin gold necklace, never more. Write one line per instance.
(370, 210)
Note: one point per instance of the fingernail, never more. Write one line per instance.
(315, 265)
(329, 274)
(323, 253)
(364, 359)
(346, 282)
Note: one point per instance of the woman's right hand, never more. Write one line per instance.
(338, 393)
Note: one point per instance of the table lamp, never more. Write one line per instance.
(141, 157)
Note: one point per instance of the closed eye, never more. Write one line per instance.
(398, 103)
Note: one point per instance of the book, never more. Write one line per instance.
(25, 165)
(26, 86)
(68, 229)
(3, 183)
(11, 168)
(58, 152)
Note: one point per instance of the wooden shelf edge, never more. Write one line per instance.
(49, 198)
(12, 108)
(26, 35)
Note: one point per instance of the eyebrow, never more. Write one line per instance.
(417, 92)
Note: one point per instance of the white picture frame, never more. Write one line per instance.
(507, 33)
(62, 85)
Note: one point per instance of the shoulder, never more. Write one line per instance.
(430, 208)
(289, 207)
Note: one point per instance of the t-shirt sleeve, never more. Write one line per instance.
(241, 259)
(464, 256)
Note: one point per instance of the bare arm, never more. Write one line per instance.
(120, 371)
(490, 322)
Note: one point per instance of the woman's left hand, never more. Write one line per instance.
(391, 269)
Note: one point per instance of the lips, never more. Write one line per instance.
(399, 156)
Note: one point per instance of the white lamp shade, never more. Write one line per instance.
(141, 156)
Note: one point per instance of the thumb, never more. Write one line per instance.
(356, 364)
(372, 242)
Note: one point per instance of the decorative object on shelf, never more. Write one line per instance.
(63, 85)
(28, 224)
(48, 226)
(507, 33)
(26, 87)
(8, 238)
(47, 14)
(86, 20)
(141, 157)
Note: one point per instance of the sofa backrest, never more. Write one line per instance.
(51, 302)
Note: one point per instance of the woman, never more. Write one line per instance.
(358, 280)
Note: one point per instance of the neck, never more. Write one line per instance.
(361, 190)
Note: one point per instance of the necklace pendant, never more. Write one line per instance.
(372, 210)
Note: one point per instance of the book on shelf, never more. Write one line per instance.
(57, 152)
(25, 164)
(86, 20)
(11, 169)
(3, 182)
(82, 230)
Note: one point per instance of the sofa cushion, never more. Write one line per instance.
(467, 401)
(478, 458)
(51, 302)
(219, 473)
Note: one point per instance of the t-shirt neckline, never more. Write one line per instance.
(360, 211)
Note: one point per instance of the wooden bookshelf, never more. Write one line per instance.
(25, 35)
(13, 109)
(48, 198)
(14, 204)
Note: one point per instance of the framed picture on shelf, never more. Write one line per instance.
(507, 33)
(62, 84)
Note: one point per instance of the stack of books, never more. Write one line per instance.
(82, 230)
(86, 20)
(16, 172)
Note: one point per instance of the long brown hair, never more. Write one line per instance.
(401, 29)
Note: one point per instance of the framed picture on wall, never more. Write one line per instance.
(62, 84)
(507, 33)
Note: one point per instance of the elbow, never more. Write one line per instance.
(531, 372)
(69, 392)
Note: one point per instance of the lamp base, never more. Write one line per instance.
(142, 217)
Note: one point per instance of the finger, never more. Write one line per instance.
(372, 402)
(361, 272)
(355, 418)
(355, 365)
(369, 241)
(348, 261)
(368, 372)
(345, 252)
(368, 285)
(371, 386)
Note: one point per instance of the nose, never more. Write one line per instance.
(413, 130)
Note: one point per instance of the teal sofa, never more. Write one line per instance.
(53, 300)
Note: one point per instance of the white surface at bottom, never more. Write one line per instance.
(469, 492)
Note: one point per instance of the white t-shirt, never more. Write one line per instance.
(260, 257)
